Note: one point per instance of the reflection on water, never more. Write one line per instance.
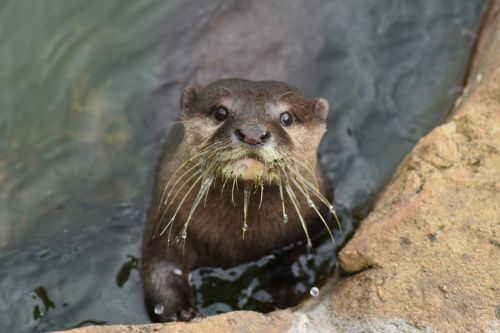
(80, 128)
(38, 311)
(69, 74)
(124, 273)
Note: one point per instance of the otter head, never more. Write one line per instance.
(252, 131)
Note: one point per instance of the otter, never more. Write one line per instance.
(238, 179)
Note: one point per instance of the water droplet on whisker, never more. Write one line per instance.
(285, 218)
(314, 292)
(159, 309)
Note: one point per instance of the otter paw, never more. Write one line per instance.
(183, 313)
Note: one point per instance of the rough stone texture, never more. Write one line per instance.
(152, 328)
(233, 322)
(428, 256)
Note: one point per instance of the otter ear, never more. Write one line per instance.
(188, 96)
(321, 109)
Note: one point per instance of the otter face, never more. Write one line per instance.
(252, 130)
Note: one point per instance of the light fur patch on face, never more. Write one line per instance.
(249, 168)
(277, 108)
(201, 127)
(245, 167)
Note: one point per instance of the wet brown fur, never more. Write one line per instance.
(214, 235)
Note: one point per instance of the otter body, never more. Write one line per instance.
(243, 181)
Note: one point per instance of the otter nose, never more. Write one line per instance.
(252, 135)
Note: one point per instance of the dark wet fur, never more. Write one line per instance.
(214, 235)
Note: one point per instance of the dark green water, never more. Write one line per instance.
(88, 90)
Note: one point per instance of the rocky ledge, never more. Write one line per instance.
(427, 257)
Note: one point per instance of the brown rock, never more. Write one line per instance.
(153, 328)
(232, 322)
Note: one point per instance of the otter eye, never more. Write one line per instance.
(220, 113)
(286, 118)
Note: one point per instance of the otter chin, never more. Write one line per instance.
(248, 168)
(239, 178)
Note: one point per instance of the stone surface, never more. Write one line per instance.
(427, 257)
(232, 322)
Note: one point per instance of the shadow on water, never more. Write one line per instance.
(88, 90)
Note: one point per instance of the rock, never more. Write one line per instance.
(427, 257)
(232, 322)
(152, 328)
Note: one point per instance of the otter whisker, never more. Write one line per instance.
(232, 191)
(161, 199)
(246, 200)
(206, 193)
(224, 185)
(307, 167)
(165, 211)
(313, 206)
(261, 194)
(328, 204)
(295, 203)
(180, 204)
(209, 151)
(320, 196)
(204, 187)
(181, 122)
(171, 202)
(202, 152)
(285, 217)
(201, 157)
(214, 161)
(283, 172)
(178, 180)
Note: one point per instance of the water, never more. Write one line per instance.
(87, 92)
